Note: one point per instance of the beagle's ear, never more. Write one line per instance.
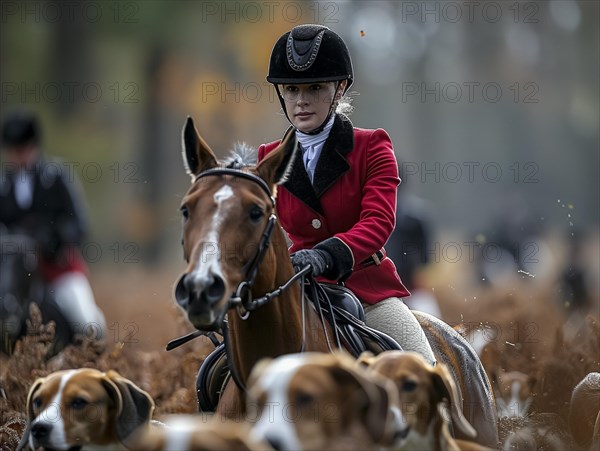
(373, 397)
(381, 420)
(30, 396)
(134, 405)
(446, 439)
(277, 165)
(445, 389)
(30, 414)
(197, 155)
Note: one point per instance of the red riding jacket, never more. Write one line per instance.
(349, 210)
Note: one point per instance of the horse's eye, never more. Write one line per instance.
(409, 386)
(256, 213)
(79, 403)
(185, 212)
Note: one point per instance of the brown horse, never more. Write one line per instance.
(225, 217)
(237, 253)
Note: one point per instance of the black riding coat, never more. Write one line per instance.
(55, 217)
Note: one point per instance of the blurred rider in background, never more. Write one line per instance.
(38, 198)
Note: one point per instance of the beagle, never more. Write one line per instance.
(513, 391)
(197, 433)
(315, 401)
(84, 409)
(428, 402)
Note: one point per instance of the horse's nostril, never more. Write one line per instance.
(216, 290)
(275, 443)
(190, 283)
(182, 292)
(189, 289)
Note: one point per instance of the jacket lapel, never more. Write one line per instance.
(332, 163)
(331, 166)
(299, 184)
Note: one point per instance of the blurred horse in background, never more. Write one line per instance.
(20, 285)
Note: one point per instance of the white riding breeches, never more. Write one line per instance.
(74, 297)
(392, 317)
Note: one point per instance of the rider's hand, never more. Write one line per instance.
(319, 259)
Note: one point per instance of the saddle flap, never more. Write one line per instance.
(349, 318)
(212, 378)
(361, 337)
(344, 299)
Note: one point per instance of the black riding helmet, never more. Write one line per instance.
(20, 128)
(309, 53)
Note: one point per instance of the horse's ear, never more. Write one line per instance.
(276, 166)
(197, 155)
(372, 397)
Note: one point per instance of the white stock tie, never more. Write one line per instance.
(310, 162)
(312, 146)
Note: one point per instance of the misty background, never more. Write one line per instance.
(493, 107)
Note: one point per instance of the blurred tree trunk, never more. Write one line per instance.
(70, 64)
(149, 151)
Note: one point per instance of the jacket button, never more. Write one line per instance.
(316, 224)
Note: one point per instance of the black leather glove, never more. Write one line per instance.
(319, 259)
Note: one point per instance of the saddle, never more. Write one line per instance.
(349, 320)
(339, 305)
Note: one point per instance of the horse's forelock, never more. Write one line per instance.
(241, 156)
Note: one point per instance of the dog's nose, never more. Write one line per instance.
(40, 431)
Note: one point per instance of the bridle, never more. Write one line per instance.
(242, 299)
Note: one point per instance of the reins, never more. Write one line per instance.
(242, 298)
(256, 303)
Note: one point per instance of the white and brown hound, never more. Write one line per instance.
(315, 401)
(198, 433)
(428, 407)
(85, 409)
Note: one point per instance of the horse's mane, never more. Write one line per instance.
(241, 155)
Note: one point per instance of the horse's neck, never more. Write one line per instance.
(274, 328)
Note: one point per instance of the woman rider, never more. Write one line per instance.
(338, 204)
